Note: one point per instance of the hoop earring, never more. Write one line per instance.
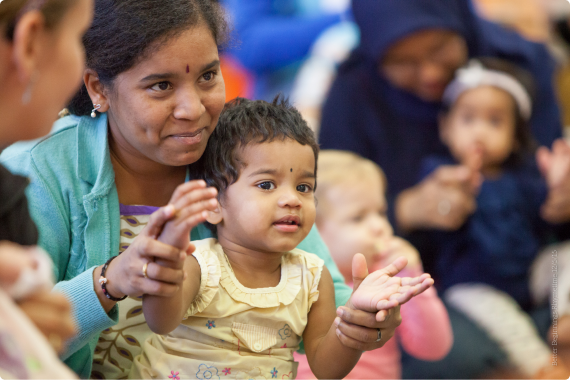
(27, 95)
(93, 113)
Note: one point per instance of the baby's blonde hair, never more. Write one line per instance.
(337, 167)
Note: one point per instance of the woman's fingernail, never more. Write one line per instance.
(204, 214)
(337, 321)
(337, 332)
(185, 276)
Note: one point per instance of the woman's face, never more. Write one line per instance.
(424, 62)
(164, 109)
(54, 71)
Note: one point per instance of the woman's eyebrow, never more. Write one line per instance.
(210, 65)
(158, 76)
(166, 76)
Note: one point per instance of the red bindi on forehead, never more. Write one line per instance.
(187, 69)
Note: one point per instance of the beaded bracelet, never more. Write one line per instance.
(103, 282)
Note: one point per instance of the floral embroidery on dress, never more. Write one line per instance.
(274, 373)
(207, 372)
(284, 346)
(227, 371)
(285, 332)
(174, 375)
(210, 324)
(287, 376)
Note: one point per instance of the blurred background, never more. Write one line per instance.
(295, 46)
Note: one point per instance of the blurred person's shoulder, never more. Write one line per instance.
(58, 144)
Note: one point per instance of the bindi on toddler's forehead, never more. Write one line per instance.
(187, 69)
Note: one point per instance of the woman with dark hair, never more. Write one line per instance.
(41, 59)
(152, 96)
(384, 105)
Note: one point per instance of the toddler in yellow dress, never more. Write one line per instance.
(250, 296)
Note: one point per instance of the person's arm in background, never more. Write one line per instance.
(268, 40)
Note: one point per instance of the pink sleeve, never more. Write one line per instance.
(425, 332)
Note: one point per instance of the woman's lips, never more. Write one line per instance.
(189, 138)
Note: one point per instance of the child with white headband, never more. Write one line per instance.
(483, 267)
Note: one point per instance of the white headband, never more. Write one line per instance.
(475, 75)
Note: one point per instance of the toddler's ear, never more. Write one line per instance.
(215, 217)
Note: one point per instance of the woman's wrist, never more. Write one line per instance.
(106, 303)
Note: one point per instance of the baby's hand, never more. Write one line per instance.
(381, 290)
(192, 201)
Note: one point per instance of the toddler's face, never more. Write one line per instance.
(353, 220)
(481, 124)
(271, 207)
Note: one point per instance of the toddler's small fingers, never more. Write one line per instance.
(186, 187)
(195, 209)
(428, 283)
(195, 196)
(157, 220)
(386, 304)
(192, 221)
(406, 294)
(410, 281)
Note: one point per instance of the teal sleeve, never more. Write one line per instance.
(313, 243)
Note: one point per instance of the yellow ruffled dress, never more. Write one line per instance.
(233, 332)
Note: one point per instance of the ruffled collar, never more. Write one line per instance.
(284, 293)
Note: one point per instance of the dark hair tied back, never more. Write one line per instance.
(125, 31)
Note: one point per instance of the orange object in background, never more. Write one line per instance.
(528, 17)
(239, 82)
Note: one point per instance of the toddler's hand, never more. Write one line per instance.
(192, 201)
(381, 290)
(554, 165)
